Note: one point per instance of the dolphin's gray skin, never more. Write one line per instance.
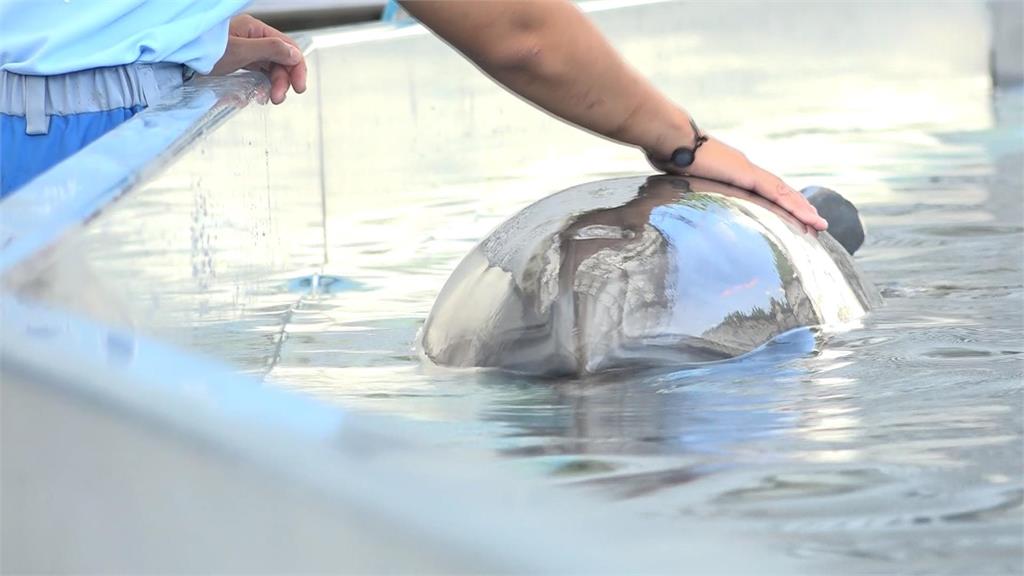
(659, 271)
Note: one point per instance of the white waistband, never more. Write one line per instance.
(39, 97)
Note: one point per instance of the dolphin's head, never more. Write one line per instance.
(659, 271)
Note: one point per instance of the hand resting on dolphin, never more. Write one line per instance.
(641, 272)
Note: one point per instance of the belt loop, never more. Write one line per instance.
(36, 120)
(148, 85)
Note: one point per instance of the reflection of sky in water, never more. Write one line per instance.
(726, 267)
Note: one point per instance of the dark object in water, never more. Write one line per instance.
(638, 272)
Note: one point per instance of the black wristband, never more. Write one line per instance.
(683, 156)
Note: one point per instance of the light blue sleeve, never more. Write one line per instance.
(48, 37)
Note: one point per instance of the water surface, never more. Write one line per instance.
(896, 446)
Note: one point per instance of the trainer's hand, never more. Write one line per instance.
(716, 160)
(255, 46)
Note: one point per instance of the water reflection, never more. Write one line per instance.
(708, 413)
(895, 447)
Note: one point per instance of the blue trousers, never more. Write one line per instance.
(24, 156)
(45, 119)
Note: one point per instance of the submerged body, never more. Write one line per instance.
(653, 271)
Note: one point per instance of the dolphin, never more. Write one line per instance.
(660, 271)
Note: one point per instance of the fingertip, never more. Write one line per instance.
(278, 84)
(298, 75)
(298, 83)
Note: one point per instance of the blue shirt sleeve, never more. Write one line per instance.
(49, 37)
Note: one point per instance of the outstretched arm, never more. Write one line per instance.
(550, 53)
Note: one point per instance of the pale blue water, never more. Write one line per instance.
(893, 448)
(896, 447)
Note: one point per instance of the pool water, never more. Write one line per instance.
(894, 447)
